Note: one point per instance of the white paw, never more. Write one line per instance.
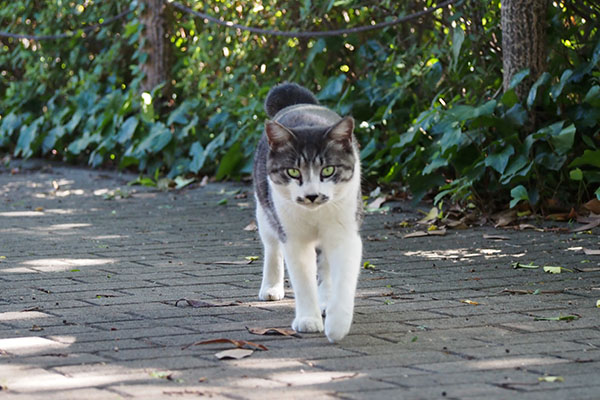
(308, 324)
(337, 325)
(271, 293)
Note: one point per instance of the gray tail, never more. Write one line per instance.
(285, 95)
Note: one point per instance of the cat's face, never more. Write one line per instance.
(311, 166)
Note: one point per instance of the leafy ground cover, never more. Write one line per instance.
(427, 95)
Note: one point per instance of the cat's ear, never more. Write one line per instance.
(278, 135)
(342, 131)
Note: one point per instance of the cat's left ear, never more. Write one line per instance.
(342, 131)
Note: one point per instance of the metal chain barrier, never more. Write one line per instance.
(311, 34)
(229, 24)
(66, 34)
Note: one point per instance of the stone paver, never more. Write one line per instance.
(89, 284)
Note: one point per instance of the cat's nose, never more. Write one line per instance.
(312, 197)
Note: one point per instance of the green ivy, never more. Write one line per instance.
(425, 94)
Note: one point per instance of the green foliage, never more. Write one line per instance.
(425, 94)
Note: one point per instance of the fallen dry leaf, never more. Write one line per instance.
(517, 264)
(551, 379)
(39, 209)
(377, 203)
(251, 227)
(471, 302)
(237, 343)
(592, 269)
(415, 234)
(591, 252)
(437, 232)
(556, 270)
(235, 354)
(495, 237)
(537, 291)
(593, 205)
(571, 317)
(202, 303)
(505, 218)
(431, 217)
(226, 262)
(522, 227)
(590, 223)
(274, 331)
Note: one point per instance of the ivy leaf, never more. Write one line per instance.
(127, 129)
(518, 193)
(27, 136)
(563, 141)
(589, 157)
(576, 174)
(230, 161)
(518, 78)
(198, 157)
(158, 138)
(558, 88)
(333, 88)
(499, 161)
(542, 80)
(458, 37)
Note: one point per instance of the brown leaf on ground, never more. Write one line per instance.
(202, 303)
(590, 225)
(563, 216)
(237, 343)
(522, 227)
(593, 206)
(591, 252)
(504, 218)
(235, 354)
(251, 227)
(495, 237)
(274, 331)
(437, 232)
(226, 262)
(377, 203)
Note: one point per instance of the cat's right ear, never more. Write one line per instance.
(278, 135)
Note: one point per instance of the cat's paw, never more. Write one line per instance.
(337, 325)
(273, 293)
(308, 324)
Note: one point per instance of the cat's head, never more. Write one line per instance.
(312, 166)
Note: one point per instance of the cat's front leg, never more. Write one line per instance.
(344, 257)
(271, 288)
(302, 267)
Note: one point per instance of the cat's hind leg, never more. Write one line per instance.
(271, 288)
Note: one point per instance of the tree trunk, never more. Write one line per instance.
(523, 41)
(154, 40)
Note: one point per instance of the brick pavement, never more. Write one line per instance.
(89, 282)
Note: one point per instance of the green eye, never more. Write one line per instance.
(293, 173)
(327, 171)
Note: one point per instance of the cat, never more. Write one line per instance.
(309, 209)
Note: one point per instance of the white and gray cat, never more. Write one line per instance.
(309, 209)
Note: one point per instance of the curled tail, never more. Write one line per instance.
(285, 95)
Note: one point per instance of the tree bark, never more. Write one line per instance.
(523, 41)
(154, 41)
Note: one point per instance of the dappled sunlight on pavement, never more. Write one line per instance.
(109, 291)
